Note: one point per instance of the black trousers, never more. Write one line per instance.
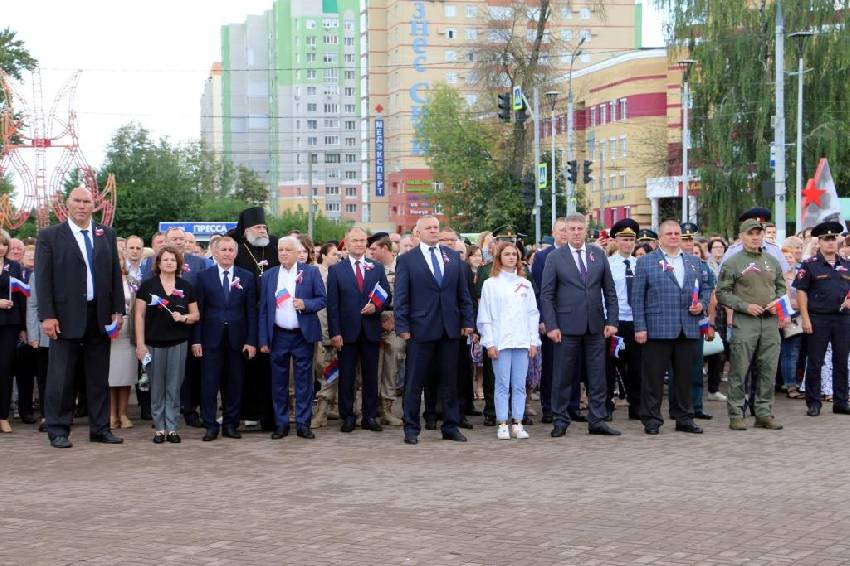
(424, 358)
(256, 391)
(658, 355)
(25, 370)
(190, 391)
(489, 386)
(464, 378)
(8, 341)
(41, 360)
(93, 348)
(547, 350)
(366, 353)
(628, 365)
(571, 354)
(222, 369)
(826, 329)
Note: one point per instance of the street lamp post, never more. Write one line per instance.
(685, 65)
(552, 97)
(801, 36)
(571, 185)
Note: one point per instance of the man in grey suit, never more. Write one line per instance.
(576, 281)
(667, 320)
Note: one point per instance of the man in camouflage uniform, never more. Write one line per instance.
(392, 347)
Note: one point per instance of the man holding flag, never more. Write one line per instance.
(750, 283)
(357, 293)
(823, 295)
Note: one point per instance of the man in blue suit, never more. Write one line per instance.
(433, 309)
(291, 294)
(667, 322)
(224, 337)
(357, 293)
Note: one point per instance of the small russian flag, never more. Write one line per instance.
(695, 291)
(618, 344)
(378, 296)
(703, 326)
(177, 293)
(331, 371)
(18, 286)
(281, 297)
(112, 330)
(157, 301)
(783, 308)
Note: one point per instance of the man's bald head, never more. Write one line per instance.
(80, 206)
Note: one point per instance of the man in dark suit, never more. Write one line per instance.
(80, 292)
(667, 322)
(291, 295)
(225, 336)
(354, 326)
(575, 280)
(433, 310)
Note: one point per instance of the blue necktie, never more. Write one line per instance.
(438, 275)
(90, 256)
(225, 286)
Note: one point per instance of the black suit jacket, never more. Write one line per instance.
(61, 278)
(17, 315)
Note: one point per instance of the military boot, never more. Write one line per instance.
(769, 423)
(320, 417)
(388, 418)
(737, 423)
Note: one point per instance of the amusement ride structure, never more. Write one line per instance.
(26, 137)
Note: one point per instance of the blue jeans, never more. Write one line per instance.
(788, 359)
(510, 369)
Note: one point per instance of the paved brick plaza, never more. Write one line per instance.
(754, 497)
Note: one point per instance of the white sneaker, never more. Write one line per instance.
(718, 396)
(519, 432)
(503, 433)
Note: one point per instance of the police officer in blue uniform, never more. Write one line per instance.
(823, 297)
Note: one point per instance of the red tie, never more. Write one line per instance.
(358, 275)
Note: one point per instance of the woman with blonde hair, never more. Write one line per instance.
(123, 366)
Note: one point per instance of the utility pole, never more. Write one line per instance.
(685, 65)
(602, 184)
(310, 194)
(537, 202)
(779, 131)
(552, 98)
(798, 186)
(571, 185)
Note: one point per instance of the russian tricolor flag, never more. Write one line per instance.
(695, 291)
(703, 326)
(281, 297)
(112, 330)
(783, 308)
(157, 301)
(177, 293)
(378, 296)
(331, 371)
(18, 286)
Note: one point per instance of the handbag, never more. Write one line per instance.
(792, 329)
(713, 347)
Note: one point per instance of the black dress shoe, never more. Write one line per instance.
(210, 435)
(558, 430)
(456, 436)
(173, 438)
(145, 415)
(652, 430)
(489, 420)
(703, 416)
(473, 413)
(464, 423)
(231, 432)
(838, 409)
(410, 439)
(813, 411)
(158, 438)
(280, 432)
(347, 426)
(42, 427)
(371, 425)
(691, 428)
(60, 442)
(547, 418)
(527, 421)
(578, 418)
(305, 433)
(604, 430)
(193, 420)
(105, 438)
(430, 424)
(27, 419)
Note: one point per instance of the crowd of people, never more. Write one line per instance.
(584, 322)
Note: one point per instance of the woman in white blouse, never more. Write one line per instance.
(508, 323)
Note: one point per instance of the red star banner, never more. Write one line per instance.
(820, 201)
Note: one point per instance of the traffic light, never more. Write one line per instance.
(572, 171)
(588, 171)
(522, 113)
(505, 106)
(527, 191)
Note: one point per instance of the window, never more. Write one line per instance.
(331, 190)
(331, 75)
(500, 12)
(332, 108)
(331, 90)
(566, 35)
(350, 191)
(330, 23)
(567, 13)
(310, 24)
(349, 75)
(349, 58)
(332, 173)
(623, 183)
(331, 123)
(471, 99)
(332, 158)
(451, 56)
(312, 107)
(593, 117)
(451, 33)
(331, 140)
(472, 11)
(471, 34)
(350, 124)
(350, 142)
(330, 40)
(350, 108)
(311, 91)
(470, 56)
(585, 58)
(584, 13)
(311, 74)
(349, 91)
(451, 78)
(332, 206)
(312, 140)
(585, 35)
(349, 25)
(351, 158)
(623, 114)
(612, 182)
(602, 114)
(450, 10)
(623, 146)
(612, 110)
(351, 208)
(312, 124)
(348, 42)
(612, 148)
(329, 58)
(311, 41)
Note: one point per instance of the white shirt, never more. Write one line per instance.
(286, 316)
(354, 268)
(426, 251)
(507, 314)
(229, 274)
(618, 272)
(81, 243)
(583, 250)
(678, 264)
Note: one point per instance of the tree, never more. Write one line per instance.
(732, 83)
(14, 57)
(324, 229)
(250, 187)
